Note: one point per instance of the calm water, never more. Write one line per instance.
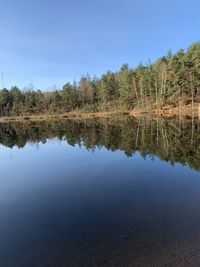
(117, 192)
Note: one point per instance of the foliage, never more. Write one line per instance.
(169, 80)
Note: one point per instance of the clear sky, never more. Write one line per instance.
(48, 43)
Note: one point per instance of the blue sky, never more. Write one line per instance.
(48, 43)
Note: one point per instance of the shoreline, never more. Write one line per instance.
(69, 115)
(165, 111)
(169, 111)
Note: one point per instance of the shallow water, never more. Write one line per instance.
(120, 192)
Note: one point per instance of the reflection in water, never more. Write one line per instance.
(98, 198)
(173, 140)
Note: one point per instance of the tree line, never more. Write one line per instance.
(173, 79)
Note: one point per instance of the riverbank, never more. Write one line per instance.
(167, 111)
(69, 115)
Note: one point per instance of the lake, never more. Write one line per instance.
(103, 192)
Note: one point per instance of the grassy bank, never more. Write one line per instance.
(167, 111)
(69, 115)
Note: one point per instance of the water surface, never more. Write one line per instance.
(107, 192)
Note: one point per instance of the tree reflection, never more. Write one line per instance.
(171, 140)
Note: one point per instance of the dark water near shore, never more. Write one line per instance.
(106, 192)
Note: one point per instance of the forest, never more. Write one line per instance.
(172, 80)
